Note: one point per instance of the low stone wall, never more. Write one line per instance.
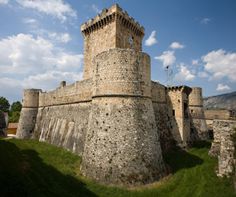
(63, 125)
(223, 146)
(79, 91)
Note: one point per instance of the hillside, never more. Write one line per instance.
(223, 101)
(32, 168)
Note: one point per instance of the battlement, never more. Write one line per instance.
(109, 15)
(184, 89)
(113, 28)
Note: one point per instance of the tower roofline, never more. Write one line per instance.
(109, 15)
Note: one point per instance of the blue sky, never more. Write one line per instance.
(41, 43)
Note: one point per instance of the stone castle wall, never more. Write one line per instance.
(199, 130)
(177, 102)
(223, 146)
(79, 91)
(122, 144)
(63, 125)
(28, 113)
(163, 123)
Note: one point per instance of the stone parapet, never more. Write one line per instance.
(77, 92)
(109, 15)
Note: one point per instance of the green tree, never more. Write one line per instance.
(4, 104)
(14, 113)
(16, 106)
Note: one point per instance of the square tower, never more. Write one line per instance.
(113, 28)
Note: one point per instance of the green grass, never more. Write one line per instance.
(31, 168)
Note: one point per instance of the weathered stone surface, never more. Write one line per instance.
(28, 114)
(178, 113)
(199, 130)
(63, 125)
(223, 146)
(122, 144)
(163, 123)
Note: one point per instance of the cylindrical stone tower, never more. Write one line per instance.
(28, 113)
(198, 123)
(122, 144)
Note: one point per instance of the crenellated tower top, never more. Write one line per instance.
(112, 28)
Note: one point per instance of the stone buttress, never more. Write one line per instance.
(122, 143)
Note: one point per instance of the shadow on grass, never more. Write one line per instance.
(23, 173)
(201, 144)
(178, 159)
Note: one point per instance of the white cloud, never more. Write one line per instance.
(95, 9)
(29, 20)
(151, 39)
(195, 62)
(221, 64)
(176, 45)
(205, 21)
(203, 75)
(59, 37)
(184, 74)
(52, 36)
(167, 58)
(27, 61)
(4, 1)
(50, 79)
(56, 8)
(222, 87)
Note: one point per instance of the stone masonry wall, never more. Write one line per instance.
(80, 91)
(199, 130)
(122, 144)
(63, 125)
(163, 123)
(28, 113)
(223, 146)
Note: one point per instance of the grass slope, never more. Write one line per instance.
(31, 168)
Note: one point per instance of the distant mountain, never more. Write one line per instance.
(223, 101)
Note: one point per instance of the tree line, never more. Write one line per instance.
(13, 110)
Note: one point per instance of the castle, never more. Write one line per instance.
(116, 118)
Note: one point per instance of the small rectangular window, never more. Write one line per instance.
(173, 112)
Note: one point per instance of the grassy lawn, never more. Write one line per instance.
(31, 168)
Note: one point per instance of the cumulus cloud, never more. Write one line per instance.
(184, 74)
(222, 87)
(176, 45)
(167, 58)
(56, 8)
(95, 9)
(28, 61)
(205, 21)
(220, 64)
(4, 2)
(151, 39)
